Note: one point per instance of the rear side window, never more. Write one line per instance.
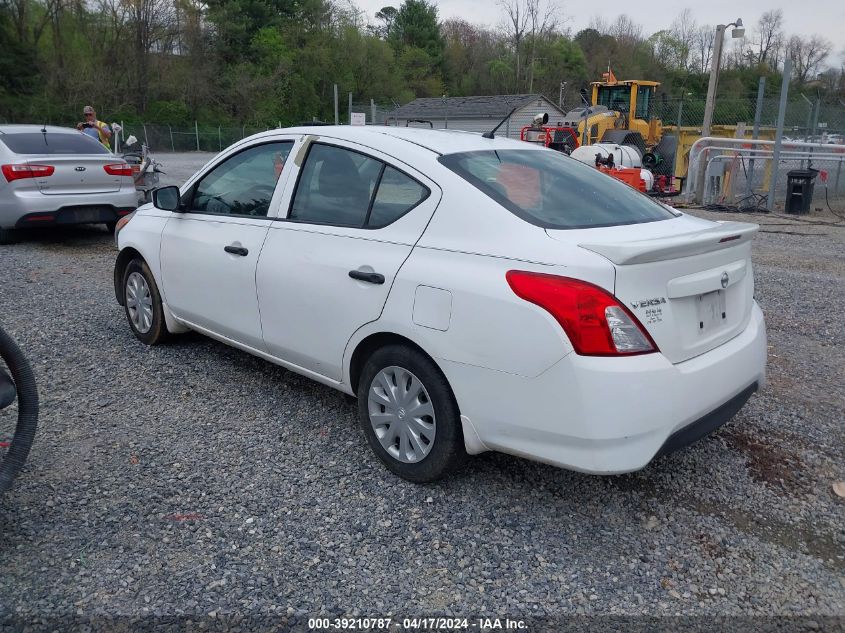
(549, 189)
(51, 143)
(341, 187)
(396, 195)
(335, 187)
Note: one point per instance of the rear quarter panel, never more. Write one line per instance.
(466, 251)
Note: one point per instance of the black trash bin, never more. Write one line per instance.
(799, 189)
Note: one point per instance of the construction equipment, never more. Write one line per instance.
(621, 113)
(561, 138)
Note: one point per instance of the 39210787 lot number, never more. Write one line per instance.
(349, 624)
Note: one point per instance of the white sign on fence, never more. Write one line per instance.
(357, 118)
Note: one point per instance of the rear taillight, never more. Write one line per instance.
(18, 172)
(596, 323)
(118, 169)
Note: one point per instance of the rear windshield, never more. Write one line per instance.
(554, 191)
(50, 143)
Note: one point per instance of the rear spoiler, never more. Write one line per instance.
(725, 235)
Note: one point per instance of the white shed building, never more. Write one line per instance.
(475, 114)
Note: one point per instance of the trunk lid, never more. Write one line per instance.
(78, 174)
(689, 281)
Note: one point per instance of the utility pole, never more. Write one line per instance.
(716, 64)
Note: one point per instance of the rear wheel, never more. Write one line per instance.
(7, 236)
(142, 302)
(409, 414)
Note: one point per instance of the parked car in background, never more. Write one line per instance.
(474, 293)
(57, 176)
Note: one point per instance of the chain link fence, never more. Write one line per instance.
(742, 179)
(806, 119)
(195, 138)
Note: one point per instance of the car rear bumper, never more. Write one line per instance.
(78, 214)
(611, 415)
(32, 209)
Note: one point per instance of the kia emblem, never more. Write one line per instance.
(80, 168)
(725, 280)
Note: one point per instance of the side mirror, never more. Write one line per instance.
(166, 198)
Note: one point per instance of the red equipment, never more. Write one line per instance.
(562, 139)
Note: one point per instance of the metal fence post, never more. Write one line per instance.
(146, 142)
(809, 118)
(336, 112)
(755, 132)
(243, 131)
(350, 108)
(197, 131)
(372, 112)
(219, 140)
(784, 93)
(172, 144)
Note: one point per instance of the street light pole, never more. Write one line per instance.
(715, 67)
(710, 103)
(716, 63)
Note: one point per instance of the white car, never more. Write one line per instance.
(474, 293)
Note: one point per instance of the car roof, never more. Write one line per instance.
(23, 128)
(437, 141)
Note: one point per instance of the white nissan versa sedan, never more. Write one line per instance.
(474, 294)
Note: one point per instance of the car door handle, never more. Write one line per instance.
(236, 250)
(373, 278)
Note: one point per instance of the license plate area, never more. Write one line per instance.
(86, 214)
(712, 313)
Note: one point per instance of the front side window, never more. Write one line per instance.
(615, 97)
(341, 187)
(549, 189)
(243, 184)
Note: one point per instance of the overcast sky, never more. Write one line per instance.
(804, 17)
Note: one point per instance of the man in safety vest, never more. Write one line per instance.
(94, 128)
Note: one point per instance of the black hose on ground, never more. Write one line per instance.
(27, 410)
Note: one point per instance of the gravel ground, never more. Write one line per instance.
(192, 478)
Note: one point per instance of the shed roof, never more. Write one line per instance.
(491, 106)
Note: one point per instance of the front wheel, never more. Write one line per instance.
(142, 303)
(409, 414)
(18, 385)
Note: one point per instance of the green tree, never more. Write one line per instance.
(415, 26)
(387, 16)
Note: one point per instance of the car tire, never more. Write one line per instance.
(7, 236)
(395, 382)
(142, 304)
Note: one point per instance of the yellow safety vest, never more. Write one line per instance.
(103, 138)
